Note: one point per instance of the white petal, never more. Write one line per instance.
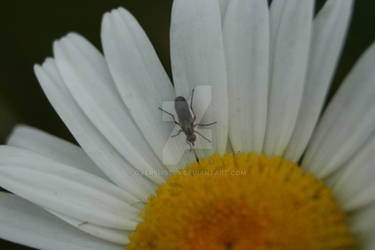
(197, 57)
(105, 233)
(65, 189)
(86, 75)
(328, 35)
(90, 139)
(362, 223)
(354, 186)
(369, 242)
(348, 121)
(291, 23)
(52, 147)
(223, 8)
(24, 223)
(246, 42)
(139, 76)
(363, 198)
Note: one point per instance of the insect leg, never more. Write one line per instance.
(174, 119)
(191, 105)
(202, 136)
(195, 153)
(205, 125)
(196, 156)
(179, 132)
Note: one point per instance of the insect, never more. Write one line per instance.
(186, 120)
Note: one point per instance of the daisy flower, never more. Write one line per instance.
(280, 173)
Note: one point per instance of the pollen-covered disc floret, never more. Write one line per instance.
(242, 202)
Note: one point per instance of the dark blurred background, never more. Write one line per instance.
(30, 27)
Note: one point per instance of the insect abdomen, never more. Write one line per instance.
(182, 109)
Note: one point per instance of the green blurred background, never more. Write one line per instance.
(30, 27)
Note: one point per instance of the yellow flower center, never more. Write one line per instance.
(242, 202)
